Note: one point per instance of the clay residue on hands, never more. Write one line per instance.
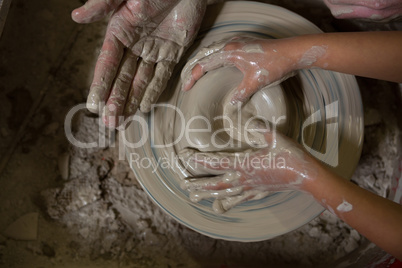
(252, 56)
(235, 128)
(247, 174)
(143, 38)
(312, 55)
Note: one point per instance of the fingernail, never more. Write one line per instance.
(146, 106)
(93, 107)
(75, 15)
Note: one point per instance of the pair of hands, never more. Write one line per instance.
(247, 175)
(144, 40)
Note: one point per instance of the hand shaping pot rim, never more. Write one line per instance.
(279, 212)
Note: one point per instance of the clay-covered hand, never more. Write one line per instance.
(376, 10)
(258, 59)
(251, 174)
(144, 40)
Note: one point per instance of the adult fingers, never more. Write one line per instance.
(94, 10)
(113, 111)
(162, 74)
(155, 49)
(141, 80)
(105, 72)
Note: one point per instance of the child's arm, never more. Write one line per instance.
(377, 218)
(264, 61)
(370, 54)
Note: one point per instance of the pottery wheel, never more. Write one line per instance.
(310, 103)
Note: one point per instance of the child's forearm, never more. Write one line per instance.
(378, 219)
(370, 54)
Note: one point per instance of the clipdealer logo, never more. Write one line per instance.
(330, 156)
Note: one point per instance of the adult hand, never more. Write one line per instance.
(144, 40)
(282, 165)
(260, 61)
(376, 10)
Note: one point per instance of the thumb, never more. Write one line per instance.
(94, 10)
(246, 89)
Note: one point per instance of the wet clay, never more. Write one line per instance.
(303, 106)
(207, 120)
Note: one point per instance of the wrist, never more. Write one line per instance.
(319, 179)
(283, 54)
(294, 52)
(312, 173)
